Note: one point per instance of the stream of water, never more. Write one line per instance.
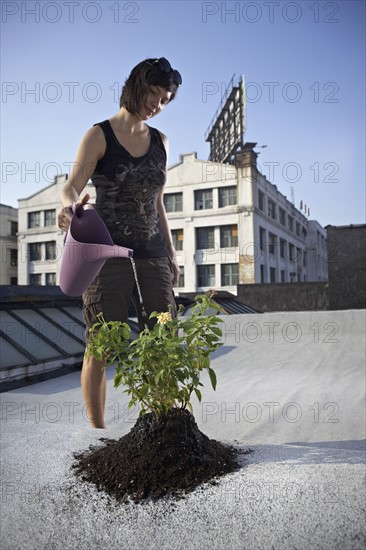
(144, 314)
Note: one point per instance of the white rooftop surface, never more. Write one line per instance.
(291, 387)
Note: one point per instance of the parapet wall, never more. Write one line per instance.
(285, 296)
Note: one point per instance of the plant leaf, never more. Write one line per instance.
(198, 393)
(213, 378)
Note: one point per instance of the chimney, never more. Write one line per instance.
(246, 156)
(61, 178)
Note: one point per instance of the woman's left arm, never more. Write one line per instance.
(165, 224)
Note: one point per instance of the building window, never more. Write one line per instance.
(177, 237)
(51, 250)
(283, 276)
(181, 276)
(35, 252)
(283, 248)
(272, 243)
(262, 274)
(14, 257)
(50, 217)
(13, 281)
(271, 209)
(229, 274)
(272, 274)
(305, 258)
(205, 275)
(34, 219)
(282, 216)
(293, 277)
(291, 223)
(50, 279)
(228, 236)
(205, 237)
(13, 229)
(261, 201)
(298, 229)
(173, 202)
(227, 196)
(35, 279)
(298, 254)
(203, 199)
(291, 249)
(262, 236)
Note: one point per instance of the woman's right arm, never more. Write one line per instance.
(90, 150)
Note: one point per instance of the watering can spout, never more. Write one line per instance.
(87, 246)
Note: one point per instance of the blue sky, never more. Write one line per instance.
(303, 62)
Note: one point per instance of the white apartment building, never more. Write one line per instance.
(231, 226)
(40, 241)
(8, 244)
(318, 252)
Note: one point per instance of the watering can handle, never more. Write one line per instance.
(78, 211)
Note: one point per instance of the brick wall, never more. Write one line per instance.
(285, 296)
(346, 266)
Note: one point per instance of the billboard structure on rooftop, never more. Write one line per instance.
(227, 128)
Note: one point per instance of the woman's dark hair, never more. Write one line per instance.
(136, 87)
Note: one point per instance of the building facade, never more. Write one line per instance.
(231, 226)
(8, 244)
(318, 251)
(40, 241)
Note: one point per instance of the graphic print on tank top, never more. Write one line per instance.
(127, 190)
(136, 200)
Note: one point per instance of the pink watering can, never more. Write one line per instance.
(87, 246)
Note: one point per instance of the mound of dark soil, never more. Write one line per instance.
(168, 455)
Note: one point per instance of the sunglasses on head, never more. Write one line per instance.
(166, 67)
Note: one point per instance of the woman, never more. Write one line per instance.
(127, 162)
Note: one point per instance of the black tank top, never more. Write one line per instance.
(126, 192)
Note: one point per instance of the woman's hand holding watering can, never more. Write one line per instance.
(66, 213)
